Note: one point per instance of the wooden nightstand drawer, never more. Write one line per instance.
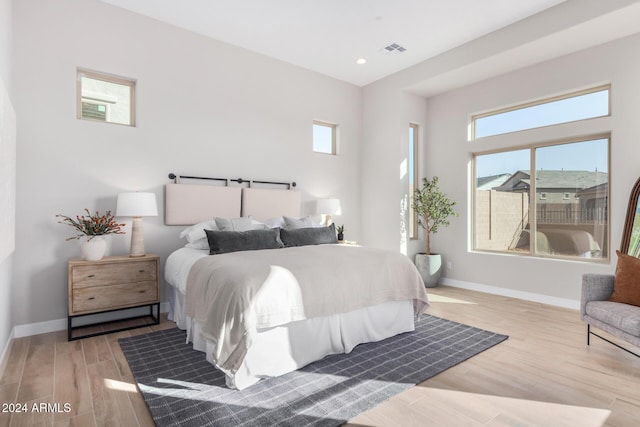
(113, 296)
(112, 284)
(84, 276)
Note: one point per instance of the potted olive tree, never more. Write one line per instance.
(433, 209)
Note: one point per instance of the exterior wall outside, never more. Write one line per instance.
(500, 218)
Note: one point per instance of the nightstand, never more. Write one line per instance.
(112, 284)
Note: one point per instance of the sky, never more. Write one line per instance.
(586, 155)
(590, 105)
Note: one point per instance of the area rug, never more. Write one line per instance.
(182, 389)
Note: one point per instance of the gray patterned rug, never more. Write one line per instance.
(182, 389)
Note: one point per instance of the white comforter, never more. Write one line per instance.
(233, 295)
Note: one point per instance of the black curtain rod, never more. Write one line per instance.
(238, 180)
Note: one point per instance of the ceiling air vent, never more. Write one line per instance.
(393, 48)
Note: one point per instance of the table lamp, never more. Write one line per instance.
(328, 207)
(137, 205)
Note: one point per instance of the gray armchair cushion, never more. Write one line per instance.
(620, 320)
(621, 316)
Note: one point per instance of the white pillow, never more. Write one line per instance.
(305, 222)
(244, 223)
(274, 222)
(195, 235)
(257, 225)
(196, 232)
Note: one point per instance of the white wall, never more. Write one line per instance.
(6, 265)
(204, 108)
(387, 113)
(388, 108)
(5, 42)
(449, 155)
(208, 108)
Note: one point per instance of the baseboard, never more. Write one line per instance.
(5, 354)
(512, 293)
(29, 329)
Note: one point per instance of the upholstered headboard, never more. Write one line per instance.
(265, 203)
(187, 204)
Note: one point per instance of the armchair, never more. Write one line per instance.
(619, 319)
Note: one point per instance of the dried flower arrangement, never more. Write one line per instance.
(92, 225)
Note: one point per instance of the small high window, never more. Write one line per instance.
(324, 137)
(105, 98)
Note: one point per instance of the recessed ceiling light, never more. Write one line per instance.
(361, 61)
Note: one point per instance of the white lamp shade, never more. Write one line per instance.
(137, 204)
(328, 207)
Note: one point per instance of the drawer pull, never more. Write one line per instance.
(90, 298)
(91, 275)
(140, 271)
(142, 292)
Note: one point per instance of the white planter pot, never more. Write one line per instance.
(430, 268)
(93, 247)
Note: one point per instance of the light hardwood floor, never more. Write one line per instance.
(543, 375)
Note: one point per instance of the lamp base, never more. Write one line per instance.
(137, 238)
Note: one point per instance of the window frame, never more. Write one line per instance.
(109, 78)
(334, 137)
(532, 213)
(541, 101)
(413, 231)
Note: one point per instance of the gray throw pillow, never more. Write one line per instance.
(222, 242)
(308, 236)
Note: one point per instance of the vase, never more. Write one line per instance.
(93, 247)
(430, 268)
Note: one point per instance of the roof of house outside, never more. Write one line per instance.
(552, 180)
(489, 182)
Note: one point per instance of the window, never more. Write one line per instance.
(105, 98)
(413, 178)
(569, 218)
(324, 137)
(581, 105)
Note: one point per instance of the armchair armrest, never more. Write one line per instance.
(595, 287)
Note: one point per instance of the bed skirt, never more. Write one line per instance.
(282, 349)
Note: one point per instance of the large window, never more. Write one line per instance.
(571, 107)
(324, 137)
(547, 200)
(105, 98)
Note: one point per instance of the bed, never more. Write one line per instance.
(264, 312)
